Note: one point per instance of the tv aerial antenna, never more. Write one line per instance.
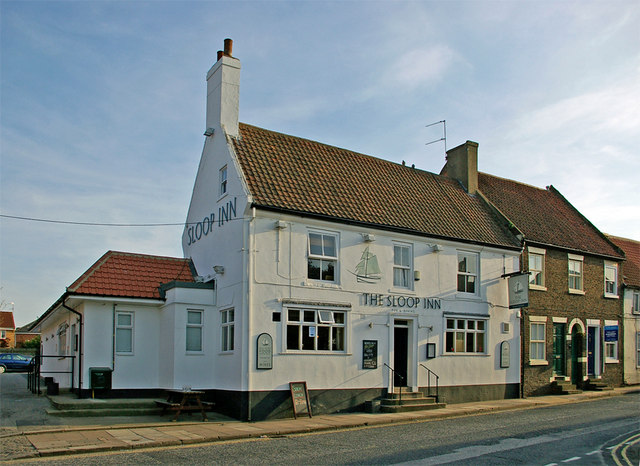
(444, 134)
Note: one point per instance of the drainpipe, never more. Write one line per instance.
(64, 305)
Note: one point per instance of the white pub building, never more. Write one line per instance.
(354, 274)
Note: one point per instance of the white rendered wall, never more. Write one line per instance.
(280, 271)
(631, 326)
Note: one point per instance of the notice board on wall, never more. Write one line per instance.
(300, 398)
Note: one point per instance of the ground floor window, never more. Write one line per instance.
(537, 342)
(194, 330)
(315, 330)
(124, 332)
(227, 319)
(611, 341)
(465, 336)
(62, 340)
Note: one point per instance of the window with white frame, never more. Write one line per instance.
(124, 332)
(402, 265)
(223, 180)
(610, 279)
(62, 339)
(638, 349)
(316, 330)
(536, 267)
(323, 256)
(537, 341)
(194, 330)
(227, 326)
(467, 272)
(611, 341)
(635, 303)
(465, 336)
(575, 273)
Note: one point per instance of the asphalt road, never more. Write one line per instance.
(581, 433)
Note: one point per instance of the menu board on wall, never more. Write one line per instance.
(369, 354)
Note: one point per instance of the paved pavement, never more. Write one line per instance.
(42, 440)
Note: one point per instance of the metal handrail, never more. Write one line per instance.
(393, 378)
(33, 376)
(429, 373)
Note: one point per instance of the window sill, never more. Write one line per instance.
(538, 362)
(226, 353)
(611, 296)
(222, 196)
(469, 296)
(537, 287)
(321, 284)
(194, 353)
(578, 292)
(466, 354)
(316, 353)
(124, 354)
(612, 361)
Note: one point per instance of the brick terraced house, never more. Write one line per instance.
(571, 328)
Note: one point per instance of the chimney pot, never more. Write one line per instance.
(220, 53)
(228, 47)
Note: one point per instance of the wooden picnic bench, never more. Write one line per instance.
(185, 400)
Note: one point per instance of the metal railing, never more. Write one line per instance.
(34, 374)
(393, 376)
(429, 374)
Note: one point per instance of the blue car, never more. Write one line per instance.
(14, 362)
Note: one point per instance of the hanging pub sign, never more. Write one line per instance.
(518, 290)
(369, 354)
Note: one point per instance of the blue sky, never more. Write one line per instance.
(102, 108)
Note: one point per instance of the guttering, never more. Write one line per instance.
(64, 305)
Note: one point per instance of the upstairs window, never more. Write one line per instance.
(323, 257)
(536, 267)
(635, 303)
(402, 266)
(610, 279)
(223, 180)
(467, 272)
(575, 273)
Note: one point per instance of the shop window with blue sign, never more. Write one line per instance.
(611, 342)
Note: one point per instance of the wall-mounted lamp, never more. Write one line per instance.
(416, 275)
(219, 269)
(436, 248)
(368, 237)
(209, 132)
(280, 225)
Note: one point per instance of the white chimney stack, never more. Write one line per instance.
(223, 92)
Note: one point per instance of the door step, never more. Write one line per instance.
(597, 386)
(563, 387)
(408, 401)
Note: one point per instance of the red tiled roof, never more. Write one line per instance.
(6, 320)
(298, 175)
(131, 275)
(631, 268)
(545, 216)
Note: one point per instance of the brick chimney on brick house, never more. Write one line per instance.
(223, 92)
(462, 165)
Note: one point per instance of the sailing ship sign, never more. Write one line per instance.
(368, 270)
